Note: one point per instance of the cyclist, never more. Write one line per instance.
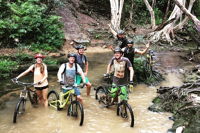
(40, 76)
(81, 59)
(129, 51)
(67, 74)
(121, 66)
(121, 40)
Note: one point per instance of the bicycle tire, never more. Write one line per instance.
(99, 89)
(53, 99)
(33, 97)
(101, 95)
(19, 109)
(125, 111)
(75, 109)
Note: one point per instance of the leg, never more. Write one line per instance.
(124, 95)
(39, 94)
(88, 85)
(44, 95)
(78, 95)
(80, 99)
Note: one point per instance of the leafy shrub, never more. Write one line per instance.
(50, 61)
(30, 23)
(22, 57)
(6, 67)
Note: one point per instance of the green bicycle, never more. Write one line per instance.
(108, 96)
(75, 108)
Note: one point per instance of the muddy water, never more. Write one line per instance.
(97, 119)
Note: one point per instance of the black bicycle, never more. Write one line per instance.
(106, 96)
(24, 95)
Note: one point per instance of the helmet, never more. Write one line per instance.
(120, 32)
(118, 49)
(80, 47)
(71, 55)
(39, 56)
(130, 42)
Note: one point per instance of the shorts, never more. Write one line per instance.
(76, 91)
(123, 95)
(41, 88)
(79, 79)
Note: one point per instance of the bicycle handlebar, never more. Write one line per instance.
(23, 83)
(81, 86)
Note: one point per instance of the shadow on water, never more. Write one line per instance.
(97, 119)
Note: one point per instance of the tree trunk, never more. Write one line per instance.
(167, 33)
(153, 21)
(116, 11)
(187, 12)
(167, 11)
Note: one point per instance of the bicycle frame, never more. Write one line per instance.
(24, 92)
(150, 55)
(63, 102)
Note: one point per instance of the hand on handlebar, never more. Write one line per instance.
(62, 83)
(14, 79)
(131, 83)
(106, 75)
(39, 82)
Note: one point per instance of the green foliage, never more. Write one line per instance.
(6, 67)
(158, 15)
(50, 61)
(28, 22)
(140, 12)
(145, 75)
(22, 57)
(196, 8)
(156, 100)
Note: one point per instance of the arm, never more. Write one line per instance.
(108, 68)
(144, 51)
(25, 72)
(80, 71)
(60, 71)
(131, 73)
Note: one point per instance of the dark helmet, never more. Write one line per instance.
(120, 32)
(80, 46)
(130, 42)
(71, 55)
(118, 49)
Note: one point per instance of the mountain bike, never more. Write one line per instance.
(59, 101)
(24, 95)
(149, 63)
(108, 78)
(108, 96)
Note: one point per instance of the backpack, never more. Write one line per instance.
(66, 67)
(64, 75)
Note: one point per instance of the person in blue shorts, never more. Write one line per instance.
(67, 74)
(81, 59)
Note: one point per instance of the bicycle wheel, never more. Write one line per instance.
(53, 99)
(75, 110)
(101, 95)
(19, 109)
(33, 97)
(125, 111)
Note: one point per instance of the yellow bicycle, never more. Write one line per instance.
(75, 108)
